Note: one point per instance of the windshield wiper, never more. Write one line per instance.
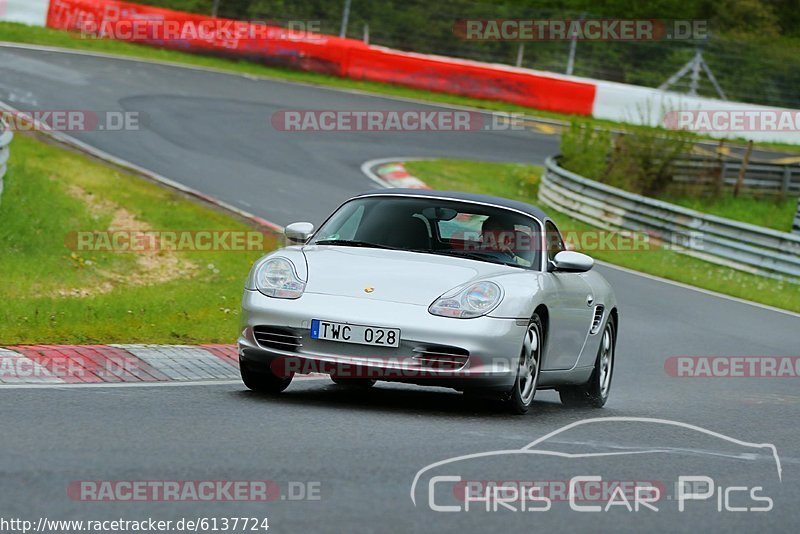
(351, 243)
(476, 255)
(480, 256)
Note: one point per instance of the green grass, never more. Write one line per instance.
(20, 33)
(774, 213)
(521, 182)
(52, 293)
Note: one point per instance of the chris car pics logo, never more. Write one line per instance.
(644, 470)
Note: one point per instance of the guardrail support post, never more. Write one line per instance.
(719, 182)
(796, 225)
(787, 176)
(743, 168)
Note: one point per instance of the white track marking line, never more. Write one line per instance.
(165, 384)
(114, 160)
(122, 385)
(258, 77)
(699, 289)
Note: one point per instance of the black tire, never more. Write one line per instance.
(519, 399)
(355, 383)
(594, 393)
(263, 380)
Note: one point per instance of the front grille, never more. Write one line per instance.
(441, 357)
(273, 337)
(597, 320)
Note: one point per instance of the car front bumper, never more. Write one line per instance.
(491, 345)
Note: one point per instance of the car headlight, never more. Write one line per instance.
(277, 278)
(468, 302)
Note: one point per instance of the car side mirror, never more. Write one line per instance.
(569, 261)
(298, 232)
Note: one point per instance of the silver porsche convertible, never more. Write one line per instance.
(435, 288)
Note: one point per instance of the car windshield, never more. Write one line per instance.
(434, 226)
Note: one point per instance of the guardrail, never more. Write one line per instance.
(5, 152)
(796, 224)
(763, 177)
(722, 241)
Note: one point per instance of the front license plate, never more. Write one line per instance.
(355, 333)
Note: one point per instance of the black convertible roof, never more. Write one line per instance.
(457, 195)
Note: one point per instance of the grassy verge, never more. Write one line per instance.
(774, 213)
(20, 33)
(56, 292)
(521, 182)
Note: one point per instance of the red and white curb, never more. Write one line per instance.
(146, 364)
(392, 172)
(96, 364)
(72, 365)
(118, 364)
(397, 176)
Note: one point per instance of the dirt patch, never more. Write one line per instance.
(152, 266)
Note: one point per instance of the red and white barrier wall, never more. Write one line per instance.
(717, 118)
(33, 12)
(353, 59)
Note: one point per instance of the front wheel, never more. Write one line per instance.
(521, 396)
(595, 392)
(263, 380)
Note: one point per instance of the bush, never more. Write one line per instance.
(639, 160)
(585, 150)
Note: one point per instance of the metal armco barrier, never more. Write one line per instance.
(762, 177)
(5, 152)
(796, 224)
(715, 239)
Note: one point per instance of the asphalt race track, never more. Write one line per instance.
(212, 132)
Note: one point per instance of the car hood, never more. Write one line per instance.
(392, 275)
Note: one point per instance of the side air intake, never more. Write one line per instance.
(597, 320)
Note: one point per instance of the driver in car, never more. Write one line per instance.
(501, 239)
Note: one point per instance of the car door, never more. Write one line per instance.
(570, 307)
